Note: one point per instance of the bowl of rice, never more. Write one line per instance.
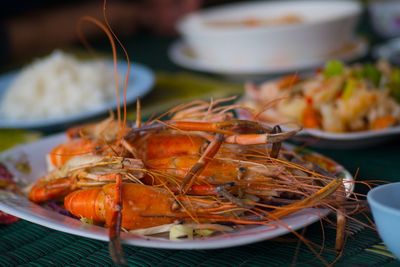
(60, 88)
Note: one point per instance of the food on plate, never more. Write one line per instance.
(337, 98)
(201, 168)
(56, 86)
(256, 22)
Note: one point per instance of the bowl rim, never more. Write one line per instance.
(375, 204)
(183, 26)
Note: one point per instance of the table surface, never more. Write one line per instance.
(25, 243)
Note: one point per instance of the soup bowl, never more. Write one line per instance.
(279, 33)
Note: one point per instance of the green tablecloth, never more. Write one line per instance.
(25, 243)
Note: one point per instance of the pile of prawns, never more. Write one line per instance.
(195, 164)
(200, 166)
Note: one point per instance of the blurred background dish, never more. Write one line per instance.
(51, 103)
(251, 35)
(338, 106)
(385, 17)
(321, 139)
(328, 140)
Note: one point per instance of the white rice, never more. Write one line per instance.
(57, 86)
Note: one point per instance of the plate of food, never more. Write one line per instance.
(338, 106)
(61, 89)
(243, 194)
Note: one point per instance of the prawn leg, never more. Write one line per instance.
(234, 129)
(227, 127)
(310, 201)
(340, 222)
(115, 247)
(276, 147)
(259, 139)
(199, 166)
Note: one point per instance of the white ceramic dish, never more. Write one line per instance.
(384, 17)
(323, 139)
(181, 54)
(141, 81)
(325, 26)
(384, 201)
(21, 207)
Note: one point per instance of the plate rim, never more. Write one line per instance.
(145, 75)
(331, 136)
(262, 233)
(352, 135)
(181, 59)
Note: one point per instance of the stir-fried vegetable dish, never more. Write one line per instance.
(337, 98)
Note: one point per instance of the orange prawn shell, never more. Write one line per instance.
(216, 172)
(87, 203)
(164, 145)
(142, 207)
(75, 147)
(44, 190)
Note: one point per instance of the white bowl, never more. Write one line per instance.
(384, 201)
(326, 27)
(384, 16)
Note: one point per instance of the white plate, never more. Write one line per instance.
(141, 81)
(21, 207)
(182, 55)
(324, 139)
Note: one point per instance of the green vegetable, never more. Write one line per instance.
(203, 232)
(371, 73)
(333, 68)
(181, 231)
(86, 220)
(394, 84)
(348, 90)
(153, 230)
(23, 166)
